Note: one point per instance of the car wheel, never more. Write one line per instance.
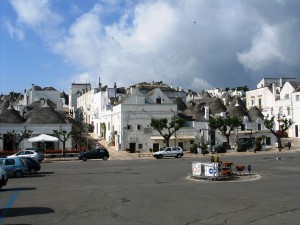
(105, 158)
(18, 174)
(32, 171)
(84, 159)
(178, 156)
(159, 156)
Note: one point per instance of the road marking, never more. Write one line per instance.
(8, 205)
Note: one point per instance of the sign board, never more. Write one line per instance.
(211, 169)
(204, 169)
(196, 169)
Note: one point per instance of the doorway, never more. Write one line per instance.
(132, 148)
(155, 147)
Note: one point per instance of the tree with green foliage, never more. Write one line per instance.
(15, 137)
(225, 125)
(103, 129)
(284, 125)
(112, 138)
(63, 136)
(162, 124)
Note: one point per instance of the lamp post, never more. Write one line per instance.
(202, 130)
(17, 140)
(280, 129)
(80, 119)
(174, 125)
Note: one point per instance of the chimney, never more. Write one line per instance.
(131, 90)
(274, 90)
(99, 85)
(206, 112)
(42, 102)
(280, 82)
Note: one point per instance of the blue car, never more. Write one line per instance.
(14, 166)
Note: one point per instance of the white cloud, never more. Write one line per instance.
(265, 49)
(193, 43)
(14, 32)
(82, 78)
(35, 13)
(84, 43)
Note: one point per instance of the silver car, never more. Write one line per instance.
(14, 166)
(3, 177)
(176, 152)
(29, 153)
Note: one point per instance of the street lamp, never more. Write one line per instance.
(80, 119)
(17, 140)
(280, 129)
(174, 125)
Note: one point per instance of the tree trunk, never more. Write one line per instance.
(167, 142)
(228, 145)
(63, 150)
(279, 143)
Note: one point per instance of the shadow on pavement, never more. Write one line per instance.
(24, 211)
(18, 189)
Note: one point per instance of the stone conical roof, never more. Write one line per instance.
(10, 115)
(255, 113)
(198, 111)
(217, 106)
(237, 100)
(180, 104)
(45, 115)
(5, 104)
(238, 111)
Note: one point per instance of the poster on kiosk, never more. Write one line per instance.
(205, 169)
(211, 169)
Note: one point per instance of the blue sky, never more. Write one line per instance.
(190, 44)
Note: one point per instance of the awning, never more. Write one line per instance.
(186, 137)
(43, 138)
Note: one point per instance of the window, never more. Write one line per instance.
(139, 127)
(243, 127)
(297, 98)
(10, 162)
(253, 101)
(259, 103)
(259, 126)
(158, 100)
(288, 111)
(128, 127)
(140, 146)
(287, 96)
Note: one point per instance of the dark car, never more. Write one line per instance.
(32, 164)
(97, 153)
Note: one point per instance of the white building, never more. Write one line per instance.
(128, 122)
(75, 92)
(278, 97)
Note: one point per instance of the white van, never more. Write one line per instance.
(3, 177)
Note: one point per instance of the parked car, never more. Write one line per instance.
(32, 165)
(176, 152)
(97, 153)
(14, 166)
(38, 155)
(3, 177)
